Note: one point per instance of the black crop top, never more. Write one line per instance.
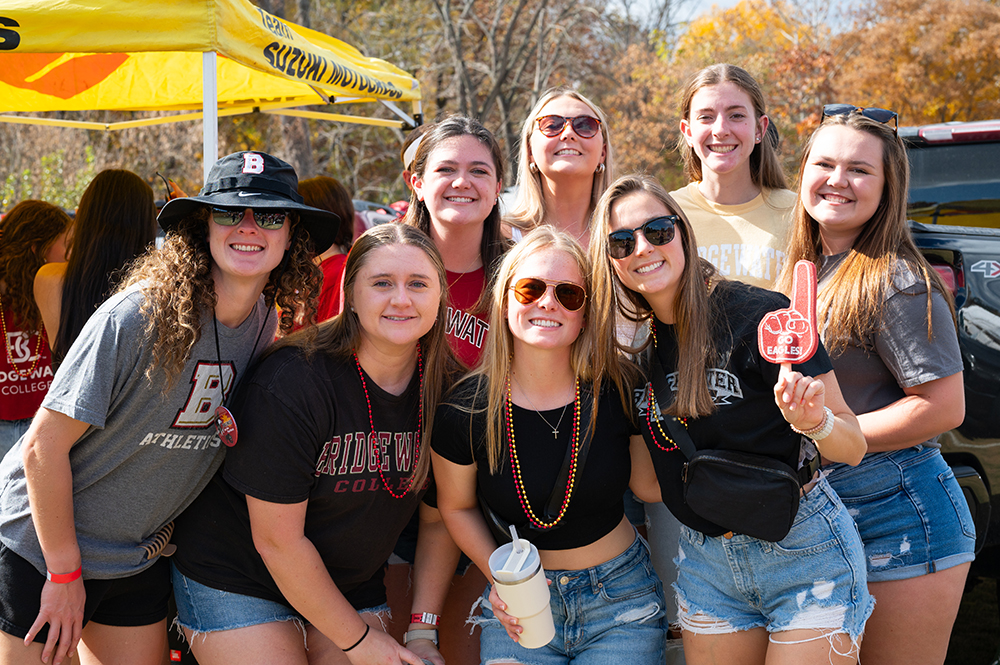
(595, 506)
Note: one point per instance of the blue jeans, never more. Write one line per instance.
(910, 510)
(611, 614)
(812, 579)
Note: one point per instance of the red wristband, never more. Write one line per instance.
(64, 578)
(425, 617)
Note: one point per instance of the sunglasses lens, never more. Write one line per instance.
(621, 244)
(551, 125)
(269, 220)
(659, 231)
(528, 290)
(585, 126)
(571, 296)
(879, 115)
(839, 109)
(227, 217)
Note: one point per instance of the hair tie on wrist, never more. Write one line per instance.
(367, 628)
(64, 578)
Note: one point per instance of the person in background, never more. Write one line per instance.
(457, 176)
(32, 234)
(541, 396)
(133, 426)
(114, 224)
(327, 193)
(889, 323)
(565, 164)
(738, 199)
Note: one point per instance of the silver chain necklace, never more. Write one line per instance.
(555, 430)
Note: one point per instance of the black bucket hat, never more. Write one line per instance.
(254, 180)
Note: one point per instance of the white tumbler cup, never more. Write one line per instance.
(520, 580)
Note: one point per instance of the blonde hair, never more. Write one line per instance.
(852, 302)
(695, 318)
(585, 356)
(528, 210)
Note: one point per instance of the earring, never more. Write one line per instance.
(532, 167)
(600, 168)
(757, 140)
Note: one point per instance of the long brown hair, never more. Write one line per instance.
(852, 302)
(179, 291)
(340, 336)
(493, 244)
(765, 167)
(26, 234)
(695, 319)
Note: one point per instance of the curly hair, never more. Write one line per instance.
(26, 234)
(179, 289)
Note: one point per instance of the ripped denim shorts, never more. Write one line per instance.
(611, 614)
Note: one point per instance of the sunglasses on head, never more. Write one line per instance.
(657, 231)
(528, 290)
(266, 219)
(585, 126)
(876, 114)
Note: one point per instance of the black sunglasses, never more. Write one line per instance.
(585, 126)
(266, 219)
(657, 231)
(876, 114)
(529, 289)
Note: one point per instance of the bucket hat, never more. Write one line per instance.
(254, 180)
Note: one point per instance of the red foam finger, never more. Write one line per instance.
(790, 335)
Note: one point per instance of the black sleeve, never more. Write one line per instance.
(284, 415)
(450, 438)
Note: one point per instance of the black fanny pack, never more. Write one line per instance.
(743, 492)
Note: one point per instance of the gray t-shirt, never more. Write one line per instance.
(896, 354)
(147, 455)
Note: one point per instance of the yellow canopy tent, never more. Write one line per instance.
(136, 55)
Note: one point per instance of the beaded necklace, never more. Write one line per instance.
(522, 495)
(10, 356)
(420, 421)
(651, 406)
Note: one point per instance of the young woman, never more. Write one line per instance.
(501, 439)
(565, 165)
(129, 432)
(331, 463)
(327, 193)
(32, 234)
(115, 223)
(456, 177)
(889, 324)
(738, 201)
(740, 599)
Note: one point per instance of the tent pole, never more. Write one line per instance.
(210, 110)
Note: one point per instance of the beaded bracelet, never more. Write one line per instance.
(822, 430)
(367, 628)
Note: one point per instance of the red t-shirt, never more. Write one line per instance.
(331, 298)
(466, 331)
(20, 396)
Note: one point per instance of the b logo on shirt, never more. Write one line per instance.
(206, 395)
(253, 163)
(20, 349)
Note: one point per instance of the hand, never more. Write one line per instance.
(506, 620)
(378, 648)
(426, 650)
(62, 608)
(800, 398)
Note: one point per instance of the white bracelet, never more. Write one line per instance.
(822, 430)
(424, 634)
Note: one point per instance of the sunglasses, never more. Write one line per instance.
(876, 114)
(657, 231)
(266, 219)
(585, 126)
(528, 290)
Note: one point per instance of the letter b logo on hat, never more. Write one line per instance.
(253, 163)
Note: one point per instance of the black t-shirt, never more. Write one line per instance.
(304, 435)
(742, 386)
(595, 506)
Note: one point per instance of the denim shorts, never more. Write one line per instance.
(202, 609)
(611, 614)
(812, 579)
(910, 510)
